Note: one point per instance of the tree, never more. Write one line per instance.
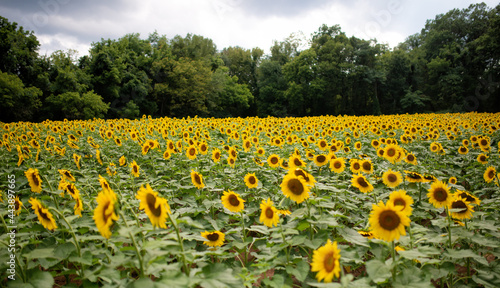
(272, 87)
(72, 105)
(17, 102)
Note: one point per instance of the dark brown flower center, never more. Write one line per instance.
(491, 174)
(463, 149)
(356, 166)
(410, 158)
(297, 162)
(151, 201)
(44, 215)
(389, 220)
(213, 237)
(367, 166)
(392, 178)
(321, 158)
(459, 205)
(337, 165)
(252, 180)
(295, 186)
(192, 151)
(269, 213)
(135, 168)
(197, 179)
(400, 202)
(300, 172)
(391, 152)
(274, 160)
(35, 179)
(233, 200)
(440, 194)
(362, 182)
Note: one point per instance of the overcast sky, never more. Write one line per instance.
(73, 24)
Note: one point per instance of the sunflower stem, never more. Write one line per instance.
(244, 239)
(137, 251)
(393, 254)
(179, 239)
(52, 194)
(284, 241)
(411, 236)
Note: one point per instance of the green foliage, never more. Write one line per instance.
(17, 103)
(73, 105)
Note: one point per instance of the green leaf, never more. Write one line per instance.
(378, 271)
(300, 272)
(63, 251)
(412, 277)
(40, 279)
(40, 253)
(352, 236)
(489, 279)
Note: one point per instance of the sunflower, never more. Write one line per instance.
(18, 205)
(78, 208)
(273, 161)
(44, 215)
(197, 179)
(77, 159)
(295, 187)
(283, 212)
(214, 238)
(388, 222)
(104, 184)
(391, 152)
(320, 160)
(135, 169)
(232, 201)
(392, 178)
(122, 161)
(359, 181)
(337, 165)
(367, 166)
(411, 159)
(326, 262)
(269, 214)
(203, 147)
(145, 148)
(156, 207)
(488, 175)
(355, 165)
(468, 197)
(34, 180)
(98, 156)
(295, 161)
(460, 208)
(482, 158)
(413, 177)
(366, 234)
(251, 181)
(401, 199)
(191, 152)
(71, 189)
(375, 143)
(452, 180)
(357, 145)
(104, 213)
(380, 152)
(439, 194)
(216, 155)
(231, 161)
(463, 150)
(167, 154)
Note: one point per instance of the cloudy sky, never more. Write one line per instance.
(73, 24)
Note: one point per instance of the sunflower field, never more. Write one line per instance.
(345, 201)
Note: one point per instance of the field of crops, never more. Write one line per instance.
(388, 201)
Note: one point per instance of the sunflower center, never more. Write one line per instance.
(197, 179)
(274, 160)
(459, 205)
(233, 200)
(296, 186)
(400, 202)
(375, 143)
(440, 194)
(135, 168)
(191, 152)
(482, 158)
(491, 174)
(463, 149)
(297, 162)
(213, 237)
(269, 213)
(367, 166)
(17, 205)
(35, 179)
(483, 142)
(105, 215)
(329, 262)
(356, 166)
(467, 197)
(362, 182)
(337, 165)
(43, 215)
(392, 178)
(389, 220)
(251, 180)
(299, 172)
(410, 158)
(391, 152)
(321, 158)
(71, 189)
(151, 201)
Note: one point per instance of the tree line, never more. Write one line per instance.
(451, 65)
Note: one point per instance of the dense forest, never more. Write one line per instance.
(452, 65)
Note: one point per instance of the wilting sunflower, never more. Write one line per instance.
(232, 201)
(367, 166)
(34, 180)
(156, 207)
(320, 160)
(337, 165)
(104, 213)
(251, 180)
(411, 159)
(388, 222)
(269, 214)
(482, 158)
(488, 175)
(197, 179)
(401, 200)
(295, 188)
(44, 215)
(461, 208)
(439, 194)
(413, 177)
(77, 159)
(273, 161)
(392, 178)
(135, 169)
(216, 155)
(326, 262)
(468, 197)
(78, 208)
(191, 152)
(214, 238)
(359, 181)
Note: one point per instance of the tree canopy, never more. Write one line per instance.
(451, 65)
